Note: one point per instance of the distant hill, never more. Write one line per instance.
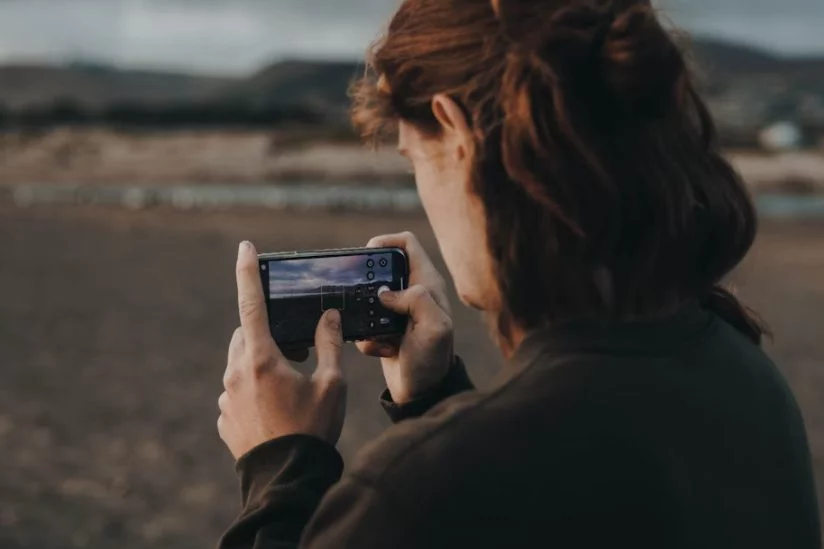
(728, 60)
(317, 86)
(715, 56)
(323, 85)
(96, 87)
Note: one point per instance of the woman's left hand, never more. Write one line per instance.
(265, 397)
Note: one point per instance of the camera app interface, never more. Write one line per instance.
(300, 290)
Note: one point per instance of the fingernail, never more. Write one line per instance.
(333, 318)
(382, 290)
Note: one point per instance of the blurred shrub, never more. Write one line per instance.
(221, 114)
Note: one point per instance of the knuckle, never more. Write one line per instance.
(439, 326)
(332, 381)
(249, 306)
(230, 380)
(261, 364)
(414, 245)
(334, 344)
(446, 324)
(417, 293)
(223, 402)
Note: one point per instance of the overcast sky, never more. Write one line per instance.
(237, 36)
(296, 277)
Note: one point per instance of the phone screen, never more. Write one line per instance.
(302, 287)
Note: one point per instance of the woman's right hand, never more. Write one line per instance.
(418, 361)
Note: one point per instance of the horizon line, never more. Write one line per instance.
(239, 74)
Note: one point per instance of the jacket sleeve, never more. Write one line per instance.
(455, 382)
(282, 484)
(284, 480)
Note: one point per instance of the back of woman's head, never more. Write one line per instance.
(595, 159)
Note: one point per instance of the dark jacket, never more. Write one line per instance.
(678, 433)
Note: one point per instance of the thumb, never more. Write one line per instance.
(329, 345)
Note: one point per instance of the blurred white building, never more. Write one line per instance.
(781, 136)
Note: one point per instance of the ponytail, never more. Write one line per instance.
(723, 303)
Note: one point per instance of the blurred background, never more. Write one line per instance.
(140, 140)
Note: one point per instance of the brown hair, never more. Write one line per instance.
(593, 152)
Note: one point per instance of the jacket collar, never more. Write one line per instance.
(603, 336)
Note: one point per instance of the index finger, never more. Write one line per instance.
(406, 241)
(251, 303)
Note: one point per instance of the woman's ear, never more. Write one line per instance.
(455, 130)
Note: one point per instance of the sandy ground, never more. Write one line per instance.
(102, 156)
(113, 332)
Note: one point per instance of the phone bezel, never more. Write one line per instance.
(400, 262)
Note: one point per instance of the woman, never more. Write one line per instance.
(572, 178)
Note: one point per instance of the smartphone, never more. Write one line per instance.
(300, 286)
